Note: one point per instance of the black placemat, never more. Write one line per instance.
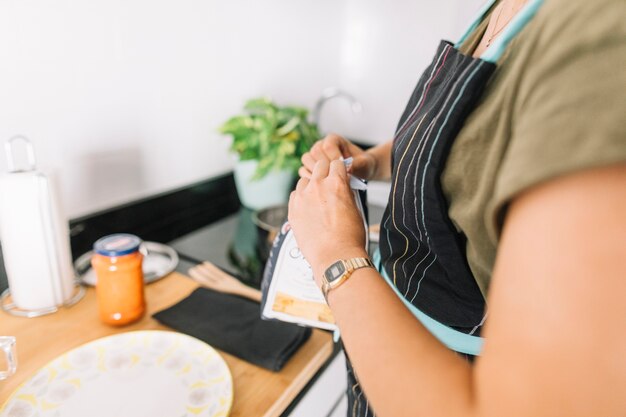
(233, 324)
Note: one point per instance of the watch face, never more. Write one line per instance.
(335, 271)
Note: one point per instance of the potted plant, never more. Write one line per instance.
(269, 141)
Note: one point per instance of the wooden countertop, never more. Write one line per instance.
(258, 392)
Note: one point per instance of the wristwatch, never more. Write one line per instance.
(340, 271)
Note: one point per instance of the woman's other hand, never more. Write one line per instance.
(324, 217)
(332, 147)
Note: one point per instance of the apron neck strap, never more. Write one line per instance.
(519, 21)
(476, 22)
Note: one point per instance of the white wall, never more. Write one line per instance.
(384, 48)
(123, 97)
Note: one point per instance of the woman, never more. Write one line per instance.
(508, 180)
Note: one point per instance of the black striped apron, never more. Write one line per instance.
(422, 254)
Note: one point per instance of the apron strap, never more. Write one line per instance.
(453, 339)
(515, 26)
(475, 23)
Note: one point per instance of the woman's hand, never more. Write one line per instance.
(364, 164)
(324, 217)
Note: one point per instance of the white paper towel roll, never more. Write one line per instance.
(35, 239)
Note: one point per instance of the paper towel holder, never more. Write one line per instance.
(6, 303)
(9, 307)
(10, 154)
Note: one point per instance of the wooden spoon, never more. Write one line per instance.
(210, 276)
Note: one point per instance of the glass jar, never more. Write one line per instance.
(120, 286)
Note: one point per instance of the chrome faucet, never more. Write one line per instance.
(329, 94)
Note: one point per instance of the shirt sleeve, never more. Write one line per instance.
(570, 111)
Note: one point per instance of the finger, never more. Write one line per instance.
(338, 168)
(308, 161)
(332, 145)
(302, 183)
(321, 170)
(291, 206)
(364, 165)
(318, 154)
(304, 173)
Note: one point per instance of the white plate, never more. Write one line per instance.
(134, 374)
(159, 260)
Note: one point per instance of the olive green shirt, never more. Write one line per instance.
(556, 104)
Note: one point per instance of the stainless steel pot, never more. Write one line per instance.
(268, 222)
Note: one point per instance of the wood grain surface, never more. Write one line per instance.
(258, 392)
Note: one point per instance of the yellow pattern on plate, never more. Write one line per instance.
(143, 373)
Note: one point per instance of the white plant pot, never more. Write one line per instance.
(271, 190)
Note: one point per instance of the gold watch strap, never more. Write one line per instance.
(351, 265)
(356, 263)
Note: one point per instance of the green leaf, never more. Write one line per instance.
(289, 126)
(275, 136)
(259, 105)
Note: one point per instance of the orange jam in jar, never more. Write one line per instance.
(120, 287)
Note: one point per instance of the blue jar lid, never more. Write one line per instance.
(119, 244)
